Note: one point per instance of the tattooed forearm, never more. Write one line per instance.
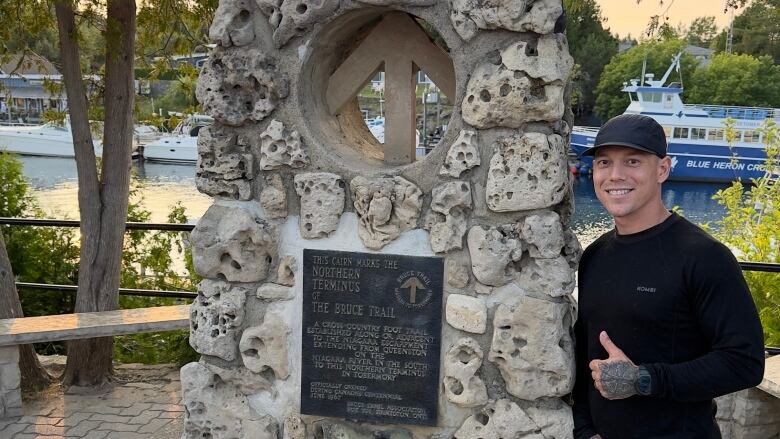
(617, 379)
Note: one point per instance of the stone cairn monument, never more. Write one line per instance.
(351, 289)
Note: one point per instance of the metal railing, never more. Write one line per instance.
(165, 227)
(169, 227)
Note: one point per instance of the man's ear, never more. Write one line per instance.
(664, 168)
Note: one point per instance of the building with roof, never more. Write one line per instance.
(22, 90)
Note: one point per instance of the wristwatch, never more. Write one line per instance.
(644, 382)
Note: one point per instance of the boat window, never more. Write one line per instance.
(668, 131)
(737, 136)
(698, 133)
(651, 97)
(751, 136)
(667, 100)
(715, 134)
(680, 133)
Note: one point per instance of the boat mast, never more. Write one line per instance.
(730, 36)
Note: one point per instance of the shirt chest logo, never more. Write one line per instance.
(645, 289)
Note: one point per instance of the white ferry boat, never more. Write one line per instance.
(48, 140)
(695, 133)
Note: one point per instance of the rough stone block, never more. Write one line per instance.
(265, 347)
(233, 23)
(538, 16)
(466, 313)
(217, 409)
(527, 85)
(386, 207)
(493, 254)
(279, 147)
(271, 291)
(553, 277)
(216, 316)
(234, 244)
(453, 201)
(457, 274)
(322, 202)
(236, 86)
(528, 173)
(532, 347)
(505, 419)
(544, 235)
(462, 386)
(462, 155)
(273, 198)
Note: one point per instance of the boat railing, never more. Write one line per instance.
(593, 130)
(747, 113)
(17, 124)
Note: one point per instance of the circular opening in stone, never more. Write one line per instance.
(377, 87)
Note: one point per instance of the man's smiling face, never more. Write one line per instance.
(628, 182)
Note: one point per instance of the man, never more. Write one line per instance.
(666, 322)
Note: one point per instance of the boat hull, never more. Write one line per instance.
(694, 161)
(172, 149)
(39, 142)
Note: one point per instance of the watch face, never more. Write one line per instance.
(643, 382)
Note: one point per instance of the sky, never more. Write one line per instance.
(626, 16)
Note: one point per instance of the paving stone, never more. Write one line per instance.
(171, 415)
(96, 434)
(125, 435)
(11, 429)
(74, 419)
(145, 417)
(135, 409)
(154, 425)
(48, 430)
(103, 409)
(82, 428)
(167, 407)
(110, 418)
(118, 426)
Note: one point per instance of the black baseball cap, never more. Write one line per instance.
(632, 131)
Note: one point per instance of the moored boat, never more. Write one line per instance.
(50, 140)
(181, 144)
(696, 134)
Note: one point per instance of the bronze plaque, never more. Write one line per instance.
(371, 336)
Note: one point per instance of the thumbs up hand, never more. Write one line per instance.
(614, 377)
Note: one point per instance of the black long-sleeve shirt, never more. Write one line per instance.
(674, 300)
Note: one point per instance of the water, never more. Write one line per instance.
(695, 199)
(54, 183)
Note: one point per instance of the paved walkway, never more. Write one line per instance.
(146, 403)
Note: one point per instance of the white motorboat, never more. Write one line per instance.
(181, 145)
(50, 139)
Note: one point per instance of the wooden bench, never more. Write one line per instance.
(14, 332)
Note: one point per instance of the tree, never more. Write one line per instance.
(591, 46)
(103, 192)
(736, 80)
(701, 31)
(610, 100)
(756, 31)
(103, 197)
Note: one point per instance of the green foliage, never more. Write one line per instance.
(751, 228)
(591, 45)
(736, 80)
(610, 100)
(148, 263)
(37, 254)
(756, 31)
(50, 255)
(702, 31)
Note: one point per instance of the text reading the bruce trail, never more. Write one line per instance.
(371, 336)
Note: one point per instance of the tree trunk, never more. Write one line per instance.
(34, 377)
(102, 200)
